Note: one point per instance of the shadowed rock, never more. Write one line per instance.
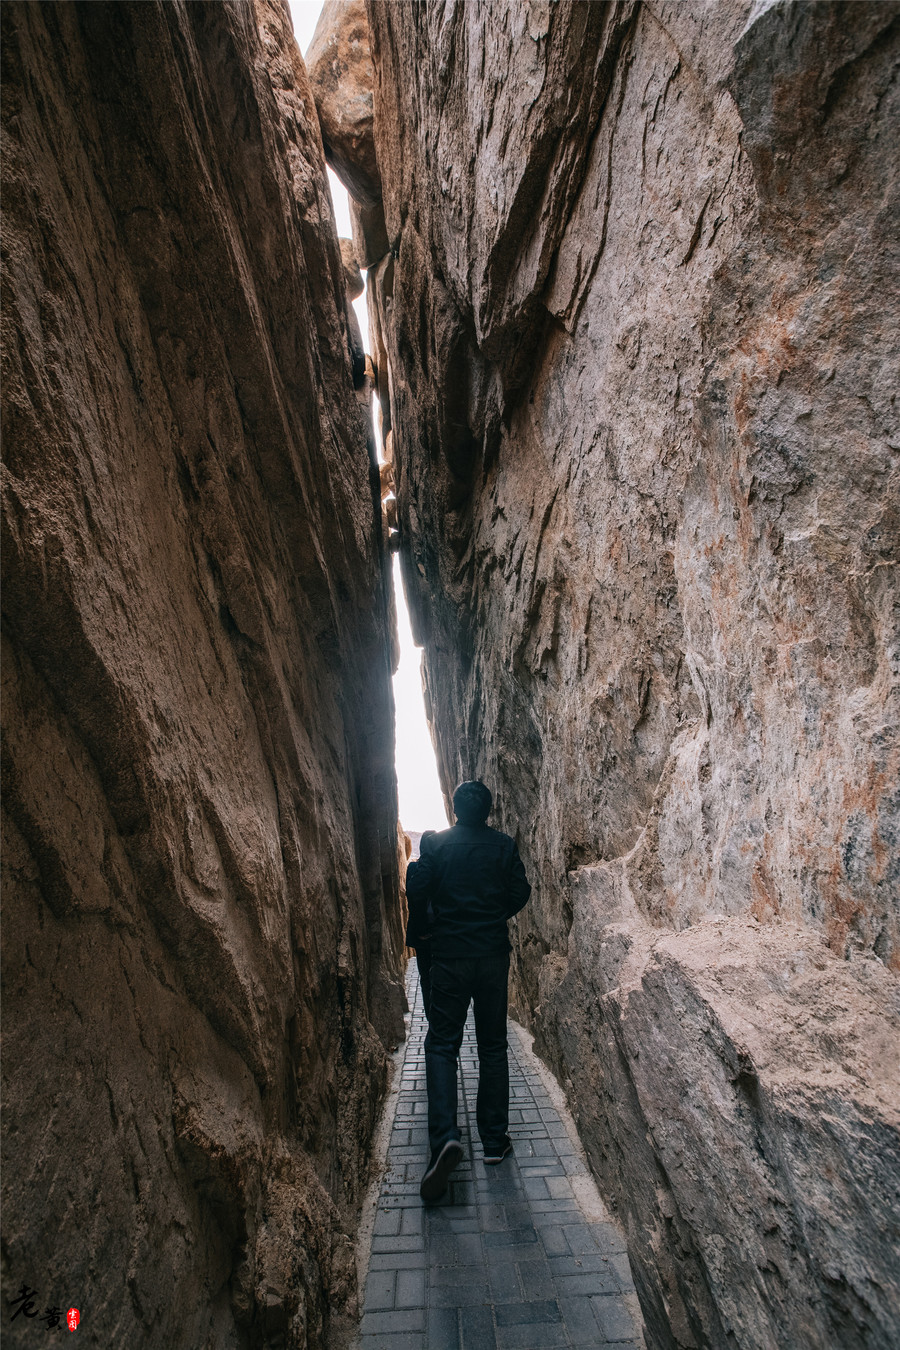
(339, 62)
(201, 917)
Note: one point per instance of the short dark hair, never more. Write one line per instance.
(472, 803)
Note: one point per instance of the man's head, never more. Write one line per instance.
(427, 836)
(472, 803)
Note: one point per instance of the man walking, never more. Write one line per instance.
(473, 879)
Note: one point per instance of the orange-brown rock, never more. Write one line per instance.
(201, 915)
(339, 60)
(641, 335)
(370, 238)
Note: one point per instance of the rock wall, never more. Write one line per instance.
(201, 926)
(637, 332)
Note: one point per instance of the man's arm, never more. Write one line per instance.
(519, 887)
(421, 878)
(417, 925)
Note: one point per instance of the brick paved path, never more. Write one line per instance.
(518, 1255)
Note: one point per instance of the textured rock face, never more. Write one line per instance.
(639, 333)
(341, 76)
(201, 927)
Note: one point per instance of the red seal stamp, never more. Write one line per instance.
(73, 1317)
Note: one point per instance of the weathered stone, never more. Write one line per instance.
(201, 915)
(370, 238)
(641, 346)
(379, 292)
(339, 61)
(352, 275)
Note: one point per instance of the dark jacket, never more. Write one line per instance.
(421, 920)
(473, 879)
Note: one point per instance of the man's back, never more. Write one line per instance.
(474, 880)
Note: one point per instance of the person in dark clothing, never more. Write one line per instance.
(473, 879)
(418, 927)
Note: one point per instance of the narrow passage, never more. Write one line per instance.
(520, 1255)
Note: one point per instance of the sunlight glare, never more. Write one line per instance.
(421, 800)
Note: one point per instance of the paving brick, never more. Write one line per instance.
(465, 1225)
(387, 1222)
(510, 1237)
(527, 1314)
(443, 1329)
(411, 1222)
(559, 1187)
(534, 1336)
(457, 1249)
(553, 1240)
(410, 1292)
(477, 1329)
(379, 1290)
(592, 1282)
(581, 1238)
(556, 1211)
(397, 1261)
(400, 1200)
(504, 1282)
(516, 1252)
(500, 1188)
(581, 1324)
(398, 1243)
(461, 1293)
(614, 1317)
(536, 1279)
(453, 1274)
(536, 1188)
(592, 1266)
(393, 1321)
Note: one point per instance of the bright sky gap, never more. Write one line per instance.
(421, 801)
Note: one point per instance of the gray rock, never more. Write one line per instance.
(641, 345)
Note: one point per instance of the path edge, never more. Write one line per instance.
(583, 1182)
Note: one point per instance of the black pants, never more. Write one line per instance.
(455, 983)
(423, 961)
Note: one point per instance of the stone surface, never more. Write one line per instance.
(201, 918)
(352, 275)
(339, 61)
(369, 233)
(640, 338)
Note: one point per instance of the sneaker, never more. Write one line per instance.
(434, 1182)
(492, 1156)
